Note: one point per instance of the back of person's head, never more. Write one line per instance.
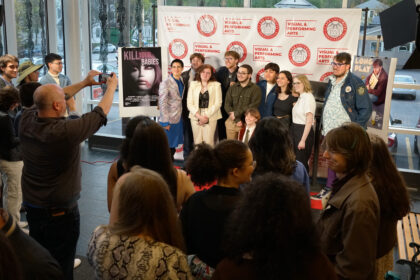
(10, 266)
(5, 59)
(387, 181)
(129, 133)
(343, 57)
(26, 93)
(272, 66)
(352, 141)
(149, 148)
(8, 97)
(145, 206)
(273, 223)
(49, 58)
(272, 147)
(206, 164)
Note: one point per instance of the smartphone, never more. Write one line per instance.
(103, 77)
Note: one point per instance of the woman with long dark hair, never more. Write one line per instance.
(271, 235)
(119, 167)
(393, 200)
(286, 99)
(349, 223)
(143, 239)
(272, 149)
(149, 148)
(203, 216)
(204, 102)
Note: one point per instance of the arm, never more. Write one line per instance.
(307, 129)
(163, 104)
(88, 81)
(6, 127)
(380, 86)
(228, 101)
(359, 228)
(190, 100)
(111, 86)
(215, 107)
(363, 106)
(112, 180)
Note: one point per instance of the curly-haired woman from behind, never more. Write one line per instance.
(203, 216)
(143, 239)
(271, 235)
(393, 200)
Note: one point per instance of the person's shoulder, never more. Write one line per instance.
(354, 78)
(221, 69)
(262, 83)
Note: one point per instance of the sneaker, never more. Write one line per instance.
(22, 224)
(321, 194)
(77, 262)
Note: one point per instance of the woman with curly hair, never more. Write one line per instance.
(272, 149)
(286, 98)
(143, 239)
(393, 200)
(271, 235)
(203, 216)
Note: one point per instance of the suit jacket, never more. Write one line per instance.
(348, 227)
(185, 79)
(241, 134)
(215, 100)
(48, 79)
(267, 100)
(170, 101)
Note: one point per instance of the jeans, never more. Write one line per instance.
(12, 196)
(58, 231)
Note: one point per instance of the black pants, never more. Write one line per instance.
(58, 231)
(188, 138)
(303, 156)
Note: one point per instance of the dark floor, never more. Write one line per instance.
(94, 211)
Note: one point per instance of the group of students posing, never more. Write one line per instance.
(200, 101)
(256, 221)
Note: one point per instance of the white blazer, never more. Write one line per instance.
(215, 100)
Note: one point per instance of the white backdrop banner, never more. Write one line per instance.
(302, 41)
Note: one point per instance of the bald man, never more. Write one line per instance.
(51, 177)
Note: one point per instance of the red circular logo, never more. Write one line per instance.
(268, 27)
(324, 77)
(239, 48)
(299, 55)
(206, 25)
(260, 75)
(335, 29)
(178, 48)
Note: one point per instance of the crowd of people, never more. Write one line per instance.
(251, 142)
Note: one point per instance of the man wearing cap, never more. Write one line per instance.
(28, 72)
(8, 69)
(54, 64)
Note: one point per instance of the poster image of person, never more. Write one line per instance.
(374, 72)
(142, 74)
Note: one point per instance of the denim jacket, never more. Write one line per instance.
(355, 99)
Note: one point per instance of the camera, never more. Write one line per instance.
(103, 77)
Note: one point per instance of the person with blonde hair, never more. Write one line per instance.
(143, 239)
(303, 115)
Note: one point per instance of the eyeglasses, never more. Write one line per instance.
(337, 64)
(297, 83)
(242, 73)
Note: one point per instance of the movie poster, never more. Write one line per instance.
(374, 72)
(141, 70)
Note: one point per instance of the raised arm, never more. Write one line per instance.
(71, 90)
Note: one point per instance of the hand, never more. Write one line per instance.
(232, 116)
(89, 80)
(204, 119)
(301, 145)
(112, 81)
(239, 124)
(167, 127)
(232, 83)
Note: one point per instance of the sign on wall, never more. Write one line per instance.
(302, 41)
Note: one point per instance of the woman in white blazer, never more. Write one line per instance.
(204, 101)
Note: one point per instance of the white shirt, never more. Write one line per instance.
(269, 88)
(251, 130)
(55, 77)
(305, 104)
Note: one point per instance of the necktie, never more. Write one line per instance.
(246, 136)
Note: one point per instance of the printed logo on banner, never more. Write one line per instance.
(299, 54)
(335, 29)
(260, 75)
(268, 27)
(178, 48)
(239, 48)
(324, 77)
(206, 25)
